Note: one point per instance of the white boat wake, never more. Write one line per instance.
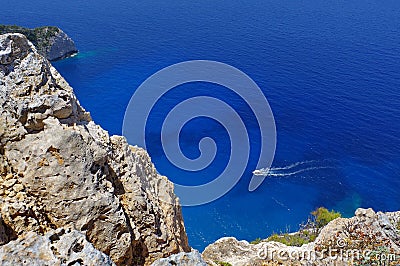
(293, 165)
(298, 171)
(292, 169)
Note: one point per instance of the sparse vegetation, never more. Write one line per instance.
(40, 36)
(296, 239)
(222, 263)
(310, 235)
(308, 231)
(256, 241)
(323, 216)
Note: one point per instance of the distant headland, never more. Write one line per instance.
(50, 41)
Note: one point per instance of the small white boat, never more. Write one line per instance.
(261, 172)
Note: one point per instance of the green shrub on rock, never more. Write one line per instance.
(222, 263)
(309, 230)
(256, 241)
(323, 216)
(295, 239)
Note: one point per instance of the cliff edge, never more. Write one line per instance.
(61, 171)
(368, 238)
(51, 42)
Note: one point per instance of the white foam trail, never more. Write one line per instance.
(299, 171)
(291, 169)
(293, 165)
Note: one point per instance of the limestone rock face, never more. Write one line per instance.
(182, 259)
(364, 239)
(57, 247)
(59, 169)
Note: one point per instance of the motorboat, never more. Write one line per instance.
(261, 172)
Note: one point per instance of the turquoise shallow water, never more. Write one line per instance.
(330, 70)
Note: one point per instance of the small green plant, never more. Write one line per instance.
(222, 263)
(308, 231)
(296, 239)
(323, 216)
(256, 241)
(312, 237)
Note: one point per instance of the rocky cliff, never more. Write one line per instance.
(368, 238)
(70, 194)
(61, 171)
(51, 42)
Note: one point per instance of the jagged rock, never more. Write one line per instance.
(394, 218)
(57, 247)
(51, 42)
(58, 168)
(229, 249)
(337, 244)
(182, 259)
(367, 230)
(239, 253)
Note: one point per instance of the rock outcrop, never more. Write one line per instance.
(61, 170)
(51, 42)
(364, 239)
(182, 259)
(57, 247)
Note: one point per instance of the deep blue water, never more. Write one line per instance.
(330, 70)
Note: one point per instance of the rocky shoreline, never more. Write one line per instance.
(51, 42)
(70, 194)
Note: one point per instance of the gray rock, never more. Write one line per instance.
(182, 259)
(388, 228)
(57, 247)
(59, 169)
(51, 42)
(394, 218)
(365, 214)
(61, 46)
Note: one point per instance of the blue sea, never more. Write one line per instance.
(329, 69)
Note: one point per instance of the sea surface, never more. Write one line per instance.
(329, 69)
